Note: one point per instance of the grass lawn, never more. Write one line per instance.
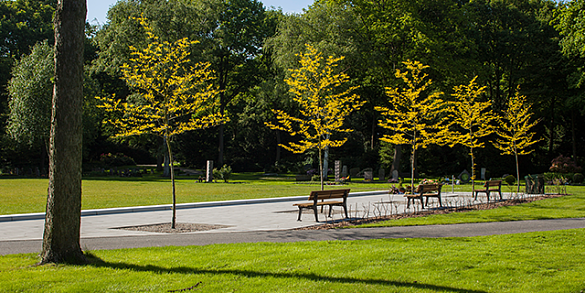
(19, 196)
(532, 262)
(569, 206)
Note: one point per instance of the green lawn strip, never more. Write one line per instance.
(19, 196)
(551, 261)
(569, 206)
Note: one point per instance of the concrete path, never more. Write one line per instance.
(249, 221)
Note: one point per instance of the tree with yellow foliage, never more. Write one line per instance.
(170, 98)
(415, 116)
(323, 103)
(473, 118)
(514, 131)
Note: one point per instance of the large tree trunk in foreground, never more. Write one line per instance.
(63, 218)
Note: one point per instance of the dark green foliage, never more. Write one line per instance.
(578, 178)
(510, 179)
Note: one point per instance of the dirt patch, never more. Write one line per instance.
(484, 206)
(179, 228)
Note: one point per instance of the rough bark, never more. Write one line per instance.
(63, 216)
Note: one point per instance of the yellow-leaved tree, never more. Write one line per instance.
(324, 102)
(170, 96)
(473, 118)
(514, 131)
(415, 116)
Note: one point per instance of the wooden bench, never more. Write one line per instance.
(490, 186)
(323, 198)
(425, 190)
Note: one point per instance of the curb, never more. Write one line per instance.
(139, 209)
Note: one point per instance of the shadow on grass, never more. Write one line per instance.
(99, 263)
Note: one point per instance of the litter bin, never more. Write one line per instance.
(534, 184)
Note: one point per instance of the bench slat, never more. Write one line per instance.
(318, 198)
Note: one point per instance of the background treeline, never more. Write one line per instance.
(535, 46)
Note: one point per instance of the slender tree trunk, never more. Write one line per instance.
(373, 138)
(321, 166)
(278, 142)
(397, 159)
(517, 173)
(220, 148)
(573, 135)
(63, 217)
(472, 171)
(551, 128)
(172, 169)
(413, 163)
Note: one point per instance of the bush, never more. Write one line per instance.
(223, 173)
(510, 179)
(563, 164)
(578, 178)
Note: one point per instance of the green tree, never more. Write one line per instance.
(324, 105)
(514, 131)
(63, 217)
(171, 96)
(231, 35)
(473, 119)
(414, 118)
(23, 24)
(570, 22)
(31, 90)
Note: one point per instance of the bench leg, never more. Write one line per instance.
(300, 213)
(487, 193)
(408, 203)
(330, 209)
(440, 203)
(345, 210)
(316, 214)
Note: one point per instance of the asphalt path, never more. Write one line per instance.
(208, 238)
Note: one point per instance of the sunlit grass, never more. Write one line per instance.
(30, 195)
(569, 206)
(531, 262)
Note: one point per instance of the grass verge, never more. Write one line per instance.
(532, 262)
(569, 206)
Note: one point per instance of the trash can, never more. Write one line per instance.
(534, 184)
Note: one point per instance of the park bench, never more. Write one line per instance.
(490, 186)
(337, 197)
(425, 190)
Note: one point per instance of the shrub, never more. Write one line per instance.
(562, 164)
(578, 178)
(223, 173)
(510, 179)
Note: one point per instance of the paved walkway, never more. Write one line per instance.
(249, 221)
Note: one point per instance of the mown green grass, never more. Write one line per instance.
(532, 262)
(569, 206)
(19, 196)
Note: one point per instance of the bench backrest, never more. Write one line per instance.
(326, 194)
(493, 183)
(422, 188)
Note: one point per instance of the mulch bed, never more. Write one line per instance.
(179, 228)
(484, 206)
